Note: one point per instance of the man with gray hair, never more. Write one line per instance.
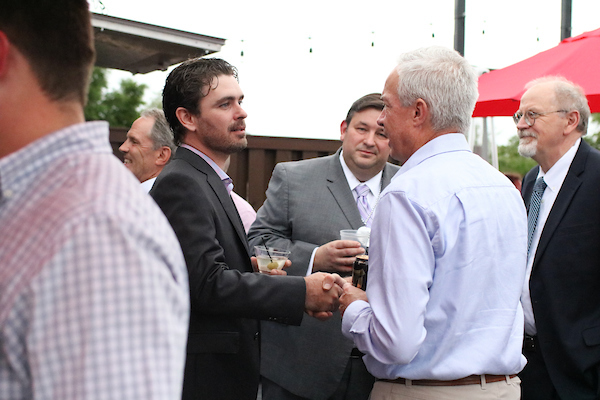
(441, 316)
(560, 297)
(148, 147)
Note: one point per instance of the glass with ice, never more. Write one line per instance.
(271, 259)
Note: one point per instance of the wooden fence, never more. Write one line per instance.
(251, 169)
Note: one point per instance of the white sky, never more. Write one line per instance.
(290, 91)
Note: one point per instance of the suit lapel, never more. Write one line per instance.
(563, 200)
(338, 186)
(219, 190)
(528, 183)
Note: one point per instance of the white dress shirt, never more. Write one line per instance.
(554, 178)
(94, 300)
(147, 184)
(446, 269)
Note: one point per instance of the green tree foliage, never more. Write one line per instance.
(119, 107)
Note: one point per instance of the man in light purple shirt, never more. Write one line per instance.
(441, 316)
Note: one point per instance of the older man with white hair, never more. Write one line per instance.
(148, 147)
(560, 297)
(441, 317)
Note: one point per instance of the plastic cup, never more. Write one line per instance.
(352, 234)
(273, 259)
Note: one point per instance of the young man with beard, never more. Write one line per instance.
(560, 297)
(202, 101)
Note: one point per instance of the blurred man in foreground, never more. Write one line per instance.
(441, 316)
(148, 147)
(94, 299)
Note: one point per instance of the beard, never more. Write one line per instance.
(229, 143)
(527, 144)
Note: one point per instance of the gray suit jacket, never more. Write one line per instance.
(308, 203)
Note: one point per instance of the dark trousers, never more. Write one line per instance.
(356, 384)
(535, 380)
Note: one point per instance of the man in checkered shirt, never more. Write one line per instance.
(94, 300)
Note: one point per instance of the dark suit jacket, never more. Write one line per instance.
(308, 203)
(565, 279)
(227, 299)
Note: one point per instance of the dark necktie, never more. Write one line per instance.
(534, 209)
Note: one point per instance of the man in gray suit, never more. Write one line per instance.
(308, 203)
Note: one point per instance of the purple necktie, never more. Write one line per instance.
(364, 208)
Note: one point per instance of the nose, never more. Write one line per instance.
(369, 139)
(124, 148)
(521, 124)
(241, 114)
(381, 118)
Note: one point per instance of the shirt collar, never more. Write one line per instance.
(445, 143)
(374, 183)
(19, 169)
(227, 181)
(556, 175)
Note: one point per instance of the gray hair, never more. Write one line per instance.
(569, 96)
(444, 80)
(161, 133)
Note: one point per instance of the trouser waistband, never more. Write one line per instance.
(469, 380)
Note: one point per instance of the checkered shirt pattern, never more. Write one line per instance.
(94, 300)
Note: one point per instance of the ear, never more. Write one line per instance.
(343, 129)
(186, 118)
(573, 119)
(164, 156)
(4, 50)
(420, 112)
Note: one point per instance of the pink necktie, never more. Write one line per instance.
(364, 208)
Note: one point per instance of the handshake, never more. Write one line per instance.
(326, 293)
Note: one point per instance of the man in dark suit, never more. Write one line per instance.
(560, 299)
(202, 102)
(308, 203)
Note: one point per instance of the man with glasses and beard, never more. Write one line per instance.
(560, 297)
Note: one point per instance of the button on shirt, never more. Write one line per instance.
(554, 178)
(446, 269)
(94, 300)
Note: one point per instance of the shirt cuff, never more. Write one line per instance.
(352, 313)
(310, 263)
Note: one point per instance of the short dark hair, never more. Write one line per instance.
(372, 100)
(184, 88)
(56, 38)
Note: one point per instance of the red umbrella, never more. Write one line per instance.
(576, 58)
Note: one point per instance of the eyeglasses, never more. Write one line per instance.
(531, 116)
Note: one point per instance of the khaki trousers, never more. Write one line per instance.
(503, 390)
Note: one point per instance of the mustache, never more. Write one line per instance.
(524, 133)
(238, 126)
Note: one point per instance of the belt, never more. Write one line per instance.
(469, 380)
(530, 343)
